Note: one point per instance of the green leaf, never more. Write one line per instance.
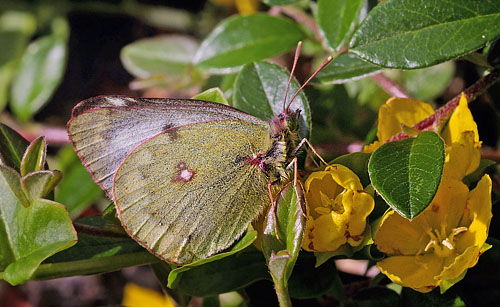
(13, 179)
(15, 30)
(77, 190)
(241, 40)
(282, 239)
(40, 72)
(308, 281)
(356, 162)
(337, 20)
(160, 55)
(228, 274)
(12, 147)
(34, 156)
(212, 94)
(260, 88)
(407, 173)
(30, 235)
(429, 83)
(346, 67)
(176, 274)
(494, 54)
(7, 72)
(414, 34)
(288, 219)
(40, 183)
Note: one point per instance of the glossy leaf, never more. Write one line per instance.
(248, 238)
(288, 219)
(337, 20)
(28, 234)
(429, 83)
(346, 67)
(97, 238)
(40, 183)
(228, 274)
(241, 40)
(260, 88)
(77, 189)
(309, 281)
(167, 54)
(40, 72)
(7, 72)
(395, 32)
(407, 173)
(15, 29)
(212, 94)
(34, 156)
(282, 239)
(12, 147)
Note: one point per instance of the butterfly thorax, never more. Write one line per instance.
(284, 135)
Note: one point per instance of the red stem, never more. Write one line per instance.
(442, 114)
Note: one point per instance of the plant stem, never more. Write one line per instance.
(436, 120)
(391, 87)
(92, 266)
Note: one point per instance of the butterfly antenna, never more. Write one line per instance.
(326, 62)
(295, 60)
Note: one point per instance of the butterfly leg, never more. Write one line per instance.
(306, 141)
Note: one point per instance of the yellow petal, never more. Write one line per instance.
(461, 120)
(399, 236)
(326, 234)
(362, 206)
(399, 111)
(136, 296)
(417, 272)
(246, 7)
(477, 216)
(460, 264)
(447, 207)
(462, 157)
(344, 177)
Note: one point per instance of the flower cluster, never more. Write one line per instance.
(437, 247)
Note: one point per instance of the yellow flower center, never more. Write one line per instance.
(330, 205)
(442, 243)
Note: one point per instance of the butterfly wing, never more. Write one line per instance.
(187, 193)
(105, 129)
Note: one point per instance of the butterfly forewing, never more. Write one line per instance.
(105, 129)
(187, 193)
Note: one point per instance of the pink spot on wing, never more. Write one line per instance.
(185, 174)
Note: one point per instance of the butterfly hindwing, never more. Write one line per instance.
(105, 129)
(187, 193)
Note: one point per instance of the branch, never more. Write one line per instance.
(391, 87)
(442, 114)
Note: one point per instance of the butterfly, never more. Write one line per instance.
(187, 177)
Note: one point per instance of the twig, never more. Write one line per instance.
(442, 114)
(391, 87)
(299, 16)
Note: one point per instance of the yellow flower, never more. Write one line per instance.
(244, 7)
(442, 242)
(337, 208)
(460, 134)
(135, 296)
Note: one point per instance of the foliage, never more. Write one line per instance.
(429, 50)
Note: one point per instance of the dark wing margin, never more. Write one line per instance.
(105, 129)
